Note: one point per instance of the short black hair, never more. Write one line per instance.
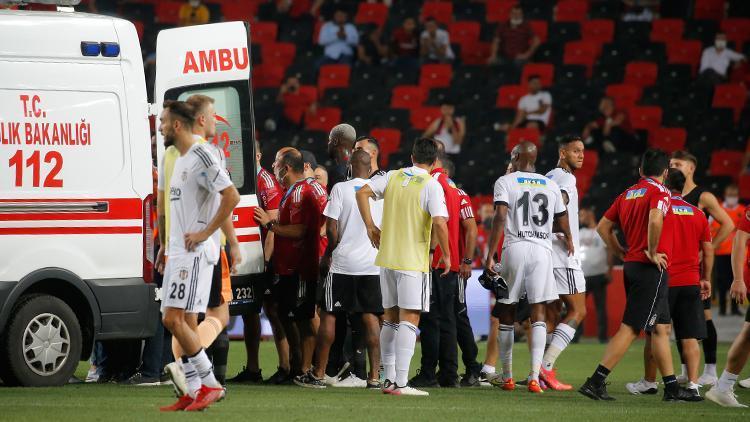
(654, 162)
(182, 111)
(685, 156)
(430, 19)
(309, 157)
(424, 151)
(563, 141)
(293, 159)
(675, 180)
(371, 140)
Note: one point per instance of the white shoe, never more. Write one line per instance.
(744, 383)
(723, 398)
(485, 379)
(408, 391)
(682, 379)
(330, 381)
(642, 387)
(92, 375)
(352, 381)
(707, 379)
(177, 376)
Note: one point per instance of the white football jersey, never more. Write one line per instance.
(567, 183)
(533, 201)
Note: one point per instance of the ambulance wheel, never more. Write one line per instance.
(41, 345)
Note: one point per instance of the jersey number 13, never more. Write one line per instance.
(539, 218)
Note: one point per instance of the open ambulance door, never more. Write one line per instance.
(214, 60)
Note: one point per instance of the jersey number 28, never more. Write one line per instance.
(542, 216)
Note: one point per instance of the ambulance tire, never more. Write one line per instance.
(53, 325)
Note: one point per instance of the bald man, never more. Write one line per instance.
(527, 206)
(340, 147)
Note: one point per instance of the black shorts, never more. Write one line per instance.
(707, 304)
(351, 293)
(295, 296)
(647, 296)
(214, 295)
(523, 310)
(686, 310)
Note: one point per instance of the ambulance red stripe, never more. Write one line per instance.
(117, 209)
(248, 238)
(16, 231)
(245, 217)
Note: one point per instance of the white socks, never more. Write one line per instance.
(388, 349)
(561, 337)
(709, 369)
(191, 377)
(406, 337)
(538, 335)
(506, 350)
(726, 381)
(205, 369)
(684, 370)
(487, 369)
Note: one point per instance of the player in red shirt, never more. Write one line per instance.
(643, 214)
(296, 254)
(688, 286)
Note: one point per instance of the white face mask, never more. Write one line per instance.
(720, 44)
(732, 201)
(516, 22)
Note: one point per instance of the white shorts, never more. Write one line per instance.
(527, 268)
(187, 282)
(569, 281)
(405, 289)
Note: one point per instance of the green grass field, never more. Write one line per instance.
(112, 402)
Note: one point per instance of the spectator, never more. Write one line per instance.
(596, 263)
(194, 12)
(639, 10)
(723, 253)
(371, 49)
(339, 38)
(435, 44)
(716, 59)
(611, 131)
(448, 129)
(294, 103)
(514, 41)
(534, 108)
(405, 44)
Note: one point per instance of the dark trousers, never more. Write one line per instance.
(724, 278)
(438, 329)
(153, 349)
(597, 285)
(464, 333)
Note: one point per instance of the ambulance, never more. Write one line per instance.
(76, 185)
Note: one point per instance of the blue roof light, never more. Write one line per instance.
(110, 49)
(90, 48)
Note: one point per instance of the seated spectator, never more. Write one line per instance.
(405, 44)
(639, 10)
(448, 129)
(371, 49)
(293, 102)
(194, 12)
(514, 41)
(534, 108)
(339, 38)
(716, 59)
(611, 131)
(435, 44)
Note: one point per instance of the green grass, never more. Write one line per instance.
(113, 402)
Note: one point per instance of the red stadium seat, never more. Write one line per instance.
(376, 13)
(737, 30)
(299, 8)
(389, 141)
(643, 74)
(168, 12)
(509, 95)
(408, 96)
(571, 10)
(582, 53)
(708, 9)
(668, 139)
(730, 96)
(422, 117)
(280, 53)
(435, 75)
(475, 54)
(322, 119)
(267, 76)
(263, 32)
(598, 30)
(645, 117)
(590, 163)
(441, 11)
(745, 186)
(294, 112)
(667, 30)
(545, 71)
(685, 52)
(518, 135)
(625, 95)
(540, 29)
(726, 163)
(240, 10)
(333, 76)
(465, 33)
(498, 10)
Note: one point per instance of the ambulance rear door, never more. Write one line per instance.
(214, 60)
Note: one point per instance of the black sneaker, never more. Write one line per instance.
(423, 380)
(280, 377)
(139, 379)
(595, 392)
(682, 394)
(469, 380)
(308, 380)
(247, 376)
(374, 384)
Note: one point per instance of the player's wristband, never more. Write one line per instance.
(466, 261)
(270, 224)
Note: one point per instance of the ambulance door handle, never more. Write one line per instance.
(45, 207)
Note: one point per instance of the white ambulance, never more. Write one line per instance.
(76, 187)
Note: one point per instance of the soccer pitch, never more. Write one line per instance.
(109, 402)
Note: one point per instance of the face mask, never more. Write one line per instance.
(732, 201)
(516, 22)
(720, 44)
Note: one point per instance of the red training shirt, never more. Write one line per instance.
(467, 212)
(269, 194)
(453, 202)
(630, 211)
(690, 231)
